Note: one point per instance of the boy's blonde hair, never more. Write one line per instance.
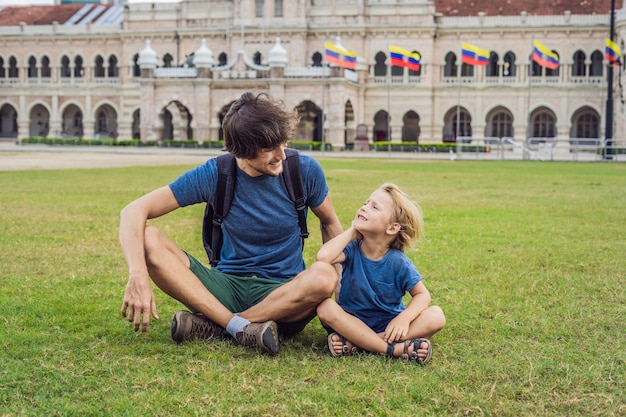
(406, 213)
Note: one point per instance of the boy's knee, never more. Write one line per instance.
(438, 318)
(324, 310)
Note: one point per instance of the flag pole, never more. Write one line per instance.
(608, 130)
(323, 112)
(529, 75)
(389, 104)
(458, 103)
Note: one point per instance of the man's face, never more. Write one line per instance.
(266, 162)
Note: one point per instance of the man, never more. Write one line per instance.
(260, 286)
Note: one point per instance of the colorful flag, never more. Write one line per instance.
(473, 55)
(340, 56)
(545, 57)
(401, 57)
(612, 52)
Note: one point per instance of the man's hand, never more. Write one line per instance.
(139, 303)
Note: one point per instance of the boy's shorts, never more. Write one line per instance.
(239, 293)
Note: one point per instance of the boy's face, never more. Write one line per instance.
(376, 214)
(266, 162)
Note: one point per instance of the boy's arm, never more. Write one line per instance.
(398, 327)
(420, 300)
(329, 222)
(332, 251)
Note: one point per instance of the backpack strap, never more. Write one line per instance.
(293, 182)
(226, 174)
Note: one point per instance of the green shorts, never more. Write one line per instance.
(239, 293)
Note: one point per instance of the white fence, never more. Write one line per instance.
(540, 149)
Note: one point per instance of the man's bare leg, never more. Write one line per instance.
(298, 298)
(168, 266)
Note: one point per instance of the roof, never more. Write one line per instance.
(63, 14)
(80, 14)
(515, 7)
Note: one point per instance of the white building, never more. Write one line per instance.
(159, 71)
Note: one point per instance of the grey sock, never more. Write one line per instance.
(236, 325)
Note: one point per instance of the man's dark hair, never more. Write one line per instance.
(255, 122)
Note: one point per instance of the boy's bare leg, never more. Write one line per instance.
(360, 335)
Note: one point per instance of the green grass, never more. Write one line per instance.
(528, 261)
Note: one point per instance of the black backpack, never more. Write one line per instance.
(226, 175)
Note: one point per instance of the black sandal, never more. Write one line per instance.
(345, 350)
(390, 348)
(413, 357)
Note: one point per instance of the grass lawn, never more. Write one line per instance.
(527, 259)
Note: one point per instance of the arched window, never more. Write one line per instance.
(493, 69)
(13, 70)
(578, 66)
(509, 68)
(78, 67)
(66, 71)
(450, 68)
(410, 127)
(136, 127)
(167, 61)
(45, 67)
(32, 67)
(257, 58)
(113, 71)
(2, 71)
(136, 68)
(380, 68)
(464, 121)
(381, 126)
(98, 71)
(316, 59)
(222, 59)
(456, 115)
(543, 125)
(467, 70)
(500, 125)
(102, 122)
(586, 124)
(596, 69)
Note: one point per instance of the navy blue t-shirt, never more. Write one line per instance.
(373, 290)
(261, 231)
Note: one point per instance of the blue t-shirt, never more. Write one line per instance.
(261, 232)
(373, 290)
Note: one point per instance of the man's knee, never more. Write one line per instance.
(154, 244)
(325, 277)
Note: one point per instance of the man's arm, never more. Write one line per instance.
(138, 296)
(329, 222)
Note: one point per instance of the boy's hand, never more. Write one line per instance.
(396, 330)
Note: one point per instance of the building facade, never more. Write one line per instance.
(159, 71)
